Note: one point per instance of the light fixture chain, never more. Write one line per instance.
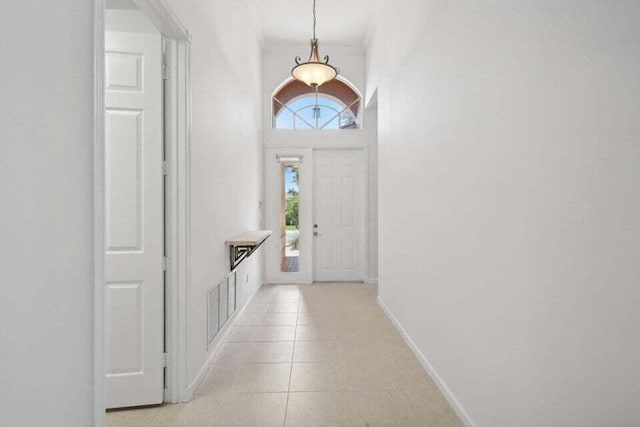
(315, 71)
(314, 19)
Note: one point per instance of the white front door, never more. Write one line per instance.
(338, 222)
(134, 300)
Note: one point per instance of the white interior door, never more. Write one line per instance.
(338, 206)
(134, 303)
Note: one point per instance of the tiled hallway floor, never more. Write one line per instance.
(308, 355)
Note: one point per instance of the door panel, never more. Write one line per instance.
(124, 315)
(134, 304)
(339, 215)
(124, 171)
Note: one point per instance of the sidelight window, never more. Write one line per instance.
(289, 217)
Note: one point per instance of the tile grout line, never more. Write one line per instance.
(368, 388)
(244, 363)
(228, 405)
(293, 352)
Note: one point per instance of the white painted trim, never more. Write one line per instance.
(185, 224)
(98, 213)
(372, 154)
(177, 152)
(164, 18)
(444, 389)
(370, 281)
(272, 247)
(366, 185)
(339, 77)
(283, 139)
(215, 348)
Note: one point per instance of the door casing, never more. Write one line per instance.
(272, 205)
(273, 274)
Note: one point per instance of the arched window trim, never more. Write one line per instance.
(340, 78)
(348, 108)
(338, 113)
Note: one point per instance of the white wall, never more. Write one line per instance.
(128, 20)
(46, 214)
(226, 151)
(509, 227)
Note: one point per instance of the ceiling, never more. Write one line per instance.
(339, 22)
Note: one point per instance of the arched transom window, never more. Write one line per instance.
(334, 106)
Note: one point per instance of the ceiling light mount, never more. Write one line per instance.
(314, 72)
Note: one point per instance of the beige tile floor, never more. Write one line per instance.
(308, 355)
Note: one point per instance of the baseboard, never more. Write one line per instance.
(371, 281)
(215, 347)
(446, 392)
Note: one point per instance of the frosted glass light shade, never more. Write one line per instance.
(314, 72)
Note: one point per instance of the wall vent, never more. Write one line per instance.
(221, 304)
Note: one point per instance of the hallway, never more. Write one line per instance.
(308, 355)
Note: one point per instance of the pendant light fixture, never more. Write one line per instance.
(314, 72)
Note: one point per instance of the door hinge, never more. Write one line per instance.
(166, 72)
(165, 167)
(165, 263)
(165, 360)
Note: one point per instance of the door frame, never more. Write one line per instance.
(177, 122)
(307, 211)
(305, 273)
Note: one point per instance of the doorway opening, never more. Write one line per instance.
(135, 211)
(290, 218)
(287, 214)
(142, 111)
